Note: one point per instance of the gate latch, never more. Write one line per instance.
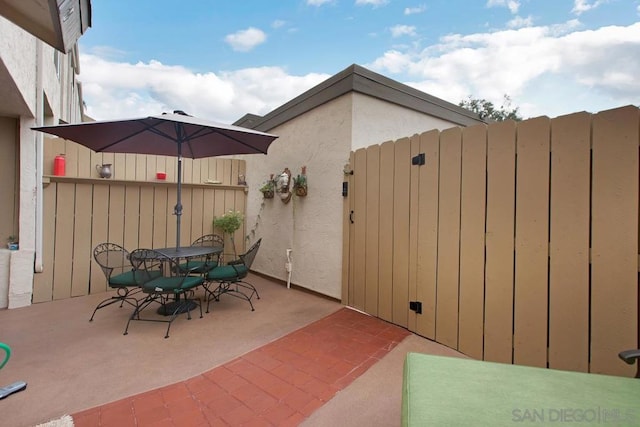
(415, 306)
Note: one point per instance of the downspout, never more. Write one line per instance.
(38, 267)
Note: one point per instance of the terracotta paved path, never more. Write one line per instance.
(279, 384)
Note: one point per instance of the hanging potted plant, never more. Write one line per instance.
(268, 188)
(229, 223)
(300, 183)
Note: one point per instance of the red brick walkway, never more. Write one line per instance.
(279, 384)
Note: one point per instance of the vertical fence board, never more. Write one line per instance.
(146, 213)
(82, 249)
(357, 297)
(385, 262)
(448, 274)
(472, 233)
(43, 282)
(401, 187)
(500, 242)
(130, 167)
(116, 219)
(132, 207)
(63, 249)
(160, 216)
(569, 242)
(532, 243)
(614, 260)
(240, 205)
(118, 168)
(197, 207)
(427, 258)
(372, 209)
(414, 206)
(99, 233)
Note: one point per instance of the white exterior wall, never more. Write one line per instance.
(311, 225)
(376, 121)
(31, 65)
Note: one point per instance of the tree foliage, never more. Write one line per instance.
(487, 110)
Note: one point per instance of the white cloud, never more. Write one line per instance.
(374, 3)
(415, 10)
(513, 5)
(402, 30)
(581, 6)
(519, 22)
(602, 62)
(119, 89)
(246, 40)
(278, 23)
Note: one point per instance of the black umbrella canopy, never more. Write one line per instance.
(167, 134)
(176, 134)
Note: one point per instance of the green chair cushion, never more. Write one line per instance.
(132, 278)
(198, 266)
(227, 272)
(172, 284)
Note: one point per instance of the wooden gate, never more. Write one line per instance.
(514, 242)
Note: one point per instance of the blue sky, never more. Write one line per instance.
(220, 60)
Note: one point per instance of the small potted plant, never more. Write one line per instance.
(12, 243)
(300, 183)
(268, 189)
(229, 223)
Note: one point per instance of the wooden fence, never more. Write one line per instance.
(517, 242)
(133, 209)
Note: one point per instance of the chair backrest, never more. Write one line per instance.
(209, 240)
(113, 259)
(248, 257)
(149, 261)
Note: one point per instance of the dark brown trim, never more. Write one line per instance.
(361, 80)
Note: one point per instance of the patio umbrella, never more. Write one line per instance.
(176, 134)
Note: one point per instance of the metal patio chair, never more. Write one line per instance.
(202, 265)
(121, 275)
(172, 287)
(631, 357)
(229, 278)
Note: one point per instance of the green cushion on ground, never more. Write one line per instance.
(450, 391)
(227, 272)
(131, 278)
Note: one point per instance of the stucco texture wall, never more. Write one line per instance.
(311, 225)
(376, 121)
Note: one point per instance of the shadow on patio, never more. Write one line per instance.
(72, 365)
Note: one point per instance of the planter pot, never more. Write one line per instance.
(12, 246)
(301, 191)
(268, 194)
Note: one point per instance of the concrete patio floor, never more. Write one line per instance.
(71, 364)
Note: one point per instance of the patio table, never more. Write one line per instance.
(451, 391)
(184, 252)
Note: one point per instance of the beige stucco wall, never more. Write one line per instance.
(30, 65)
(376, 121)
(312, 225)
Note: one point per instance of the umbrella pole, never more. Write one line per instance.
(178, 208)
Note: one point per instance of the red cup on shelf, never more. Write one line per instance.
(161, 175)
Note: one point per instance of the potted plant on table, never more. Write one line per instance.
(229, 223)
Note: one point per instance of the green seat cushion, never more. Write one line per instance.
(227, 272)
(451, 391)
(132, 278)
(172, 284)
(198, 266)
